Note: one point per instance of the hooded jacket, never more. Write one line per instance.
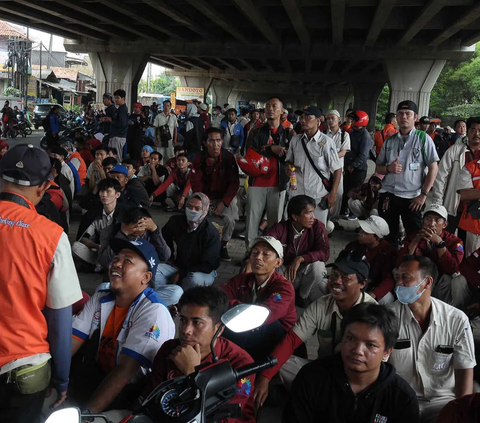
(321, 393)
(194, 130)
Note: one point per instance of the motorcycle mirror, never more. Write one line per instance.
(245, 317)
(67, 415)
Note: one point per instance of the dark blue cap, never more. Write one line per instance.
(140, 246)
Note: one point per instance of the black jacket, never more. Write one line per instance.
(321, 393)
(134, 195)
(259, 138)
(197, 251)
(360, 145)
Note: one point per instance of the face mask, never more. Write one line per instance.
(193, 215)
(408, 294)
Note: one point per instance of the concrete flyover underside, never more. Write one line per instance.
(315, 49)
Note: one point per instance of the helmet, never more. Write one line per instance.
(360, 118)
(253, 163)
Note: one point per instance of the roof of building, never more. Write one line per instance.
(7, 30)
(65, 73)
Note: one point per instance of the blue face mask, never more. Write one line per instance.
(408, 294)
(193, 215)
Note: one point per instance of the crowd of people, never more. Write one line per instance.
(396, 313)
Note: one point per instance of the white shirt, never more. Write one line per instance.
(430, 373)
(337, 139)
(98, 225)
(217, 120)
(67, 172)
(161, 120)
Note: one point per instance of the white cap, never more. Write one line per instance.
(375, 225)
(274, 243)
(203, 106)
(330, 226)
(437, 208)
(334, 112)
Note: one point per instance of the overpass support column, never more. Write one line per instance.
(366, 97)
(221, 92)
(412, 80)
(324, 101)
(197, 82)
(341, 96)
(114, 71)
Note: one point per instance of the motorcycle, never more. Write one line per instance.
(24, 128)
(201, 397)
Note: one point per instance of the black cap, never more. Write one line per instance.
(26, 165)
(352, 262)
(407, 105)
(424, 119)
(312, 110)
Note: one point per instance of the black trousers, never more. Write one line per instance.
(397, 206)
(18, 408)
(351, 181)
(260, 342)
(452, 226)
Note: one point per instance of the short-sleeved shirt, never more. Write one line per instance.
(337, 139)
(146, 327)
(323, 152)
(414, 155)
(429, 372)
(318, 317)
(161, 120)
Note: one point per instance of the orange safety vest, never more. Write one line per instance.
(28, 242)
(467, 222)
(82, 170)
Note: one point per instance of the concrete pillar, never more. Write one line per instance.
(220, 92)
(114, 71)
(366, 97)
(412, 80)
(304, 100)
(341, 96)
(323, 101)
(234, 97)
(197, 82)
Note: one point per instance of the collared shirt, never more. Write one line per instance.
(317, 318)
(431, 373)
(337, 139)
(171, 120)
(324, 154)
(256, 289)
(93, 231)
(414, 158)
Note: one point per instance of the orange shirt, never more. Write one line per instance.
(287, 124)
(388, 130)
(108, 343)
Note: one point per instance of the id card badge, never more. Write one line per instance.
(414, 166)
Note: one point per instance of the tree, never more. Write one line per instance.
(382, 107)
(164, 84)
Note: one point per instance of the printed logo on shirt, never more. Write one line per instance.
(459, 247)
(244, 387)
(380, 419)
(276, 297)
(153, 333)
(96, 318)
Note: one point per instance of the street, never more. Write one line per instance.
(33, 139)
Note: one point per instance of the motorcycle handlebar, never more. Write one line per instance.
(257, 367)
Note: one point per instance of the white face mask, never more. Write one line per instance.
(193, 215)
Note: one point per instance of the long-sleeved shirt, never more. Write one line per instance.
(134, 195)
(313, 244)
(181, 181)
(54, 123)
(361, 144)
(119, 125)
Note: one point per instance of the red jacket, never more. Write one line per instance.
(448, 264)
(182, 182)
(313, 245)
(164, 368)
(382, 262)
(219, 181)
(278, 296)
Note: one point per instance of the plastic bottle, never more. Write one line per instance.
(293, 179)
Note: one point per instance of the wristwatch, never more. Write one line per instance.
(441, 244)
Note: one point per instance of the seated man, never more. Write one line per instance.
(177, 185)
(435, 351)
(131, 166)
(133, 191)
(122, 330)
(215, 173)
(171, 164)
(200, 311)
(381, 256)
(60, 153)
(264, 286)
(305, 248)
(363, 201)
(461, 410)
(195, 259)
(154, 173)
(95, 171)
(347, 283)
(88, 247)
(443, 248)
(355, 385)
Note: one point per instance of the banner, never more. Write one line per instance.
(190, 93)
(173, 100)
(32, 89)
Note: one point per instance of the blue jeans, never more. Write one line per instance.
(165, 272)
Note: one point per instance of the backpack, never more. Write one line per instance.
(46, 123)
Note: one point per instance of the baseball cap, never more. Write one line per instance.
(203, 106)
(312, 110)
(379, 176)
(274, 243)
(56, 149)
(334, 112)
(140, 246)
(118, 168)
(26, 165)
(375, 225)
(110, 96)
(437, 208)
(424, 119)
(148, 148)
(407, 105)
(352, 262)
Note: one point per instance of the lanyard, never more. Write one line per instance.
(13, 198)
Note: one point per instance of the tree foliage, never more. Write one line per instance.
(164, 84)
(382, 107)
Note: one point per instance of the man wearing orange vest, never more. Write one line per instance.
(76, 159)
(38, 285)
(390, 128)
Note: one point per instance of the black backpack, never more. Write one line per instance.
(46, 123)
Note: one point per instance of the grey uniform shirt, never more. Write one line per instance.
(337, 139)
(414, 156)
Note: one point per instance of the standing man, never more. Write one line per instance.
(37, 289)
(317, 165)
(267, 192)
(53, 126)
(356, 159)
(388, 130)
(460, 127)
(403, 160)
(7, 113)
(233, 133)
(137, 122)
(341, 138)
(118, 124)
(166, 131)
(106, 120)
(204, 116)
(217, 117)
(435, 352)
